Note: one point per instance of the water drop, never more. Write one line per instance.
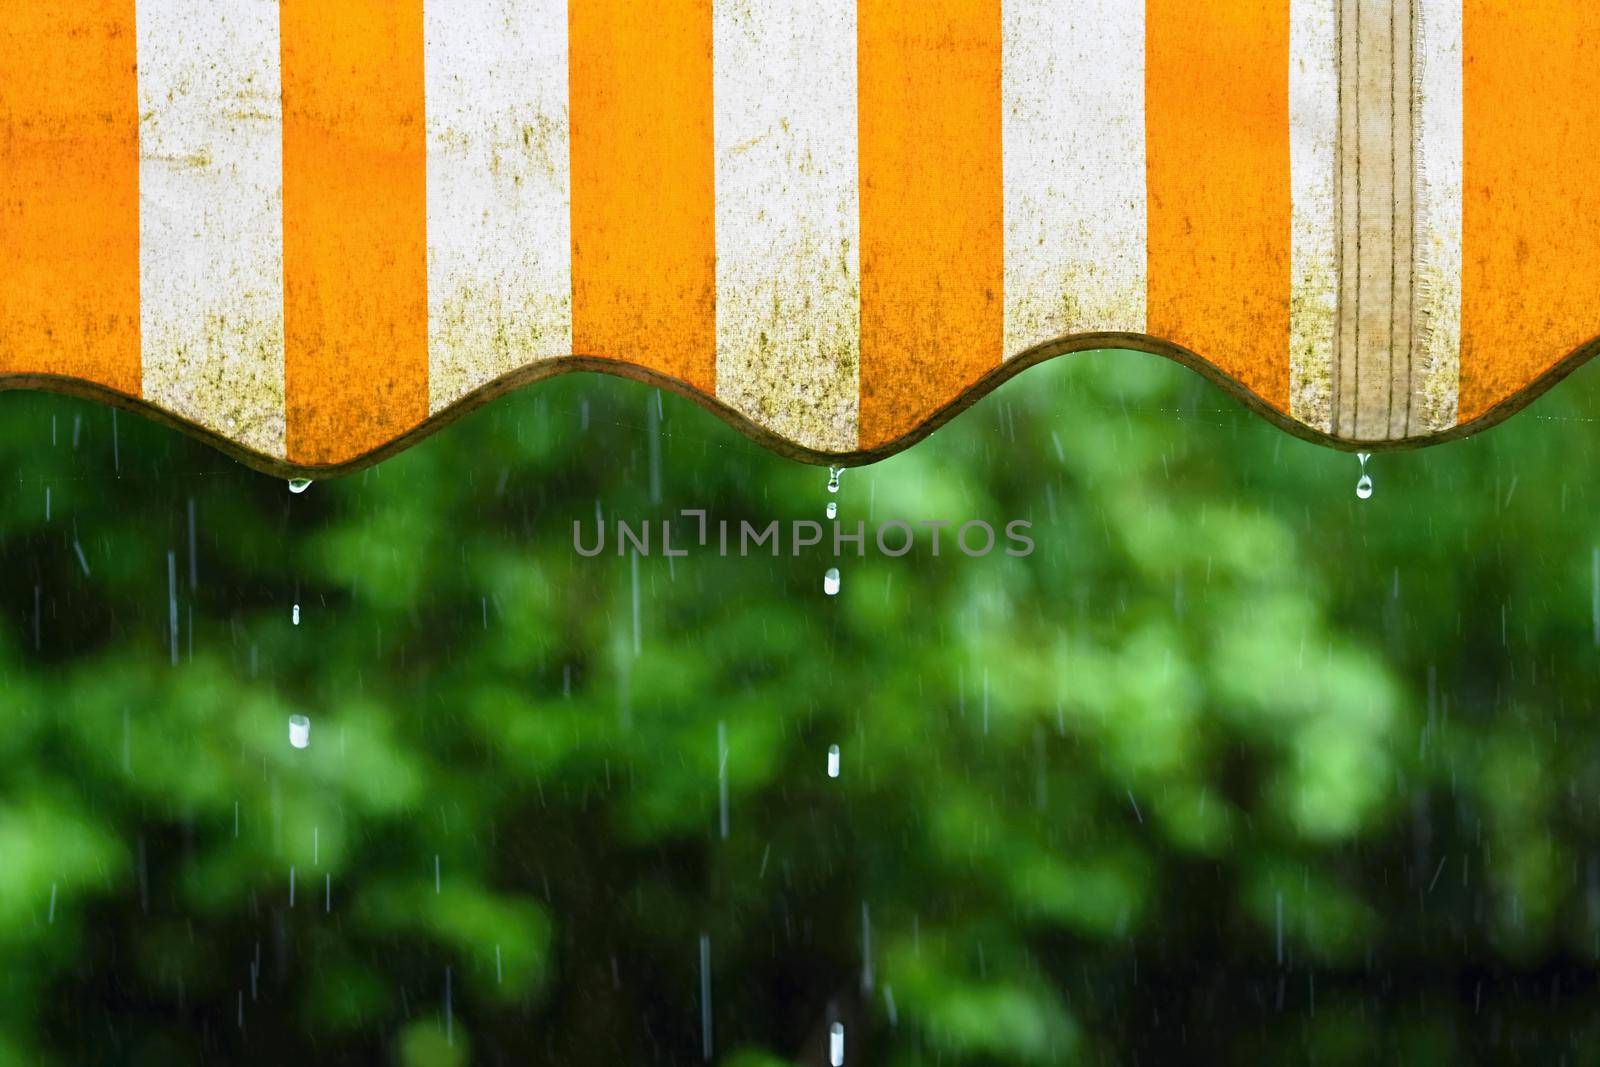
(1364, 486)
(836, 1045)
(296, 615)
(299, 485)
(299, 731)
(830, 582)
(833, 761)
(833, 478)
(833, 509)
(706, 1044)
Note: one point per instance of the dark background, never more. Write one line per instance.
(1233, 768)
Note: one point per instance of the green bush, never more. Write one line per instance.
(1232, 767)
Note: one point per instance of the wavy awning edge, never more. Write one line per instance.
(542, 370)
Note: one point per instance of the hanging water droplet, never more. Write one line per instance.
(1364, 486)
(833, 478)
(833, 761)
(299, 731)
(296, 615)
(299, 485)
(833, 509)
(836, 1045)
(830, 582)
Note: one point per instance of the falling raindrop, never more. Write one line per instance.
(299, 731)
(296, 615)
(1279, 927)
(722, 776)
(830, 580)
(1594, 598)
(866, 948)
(706, 1046)
(1364, 486)
(172, 607)
(299, 485)
(833, 761)
(836, 1045)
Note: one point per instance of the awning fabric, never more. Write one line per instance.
(311, 231)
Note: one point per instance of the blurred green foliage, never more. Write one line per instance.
(1233, 768)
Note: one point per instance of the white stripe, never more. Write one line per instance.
(211, 215)
(1438, 212)
(788, 217)
(1313, 185)
(499, 190)
(1073, 127)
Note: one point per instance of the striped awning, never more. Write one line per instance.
(311, 230)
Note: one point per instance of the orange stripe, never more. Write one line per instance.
(1217, 149)
(69, 191)
(354, 225)
(1530, 221)
(644, 279)
(932, 239)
